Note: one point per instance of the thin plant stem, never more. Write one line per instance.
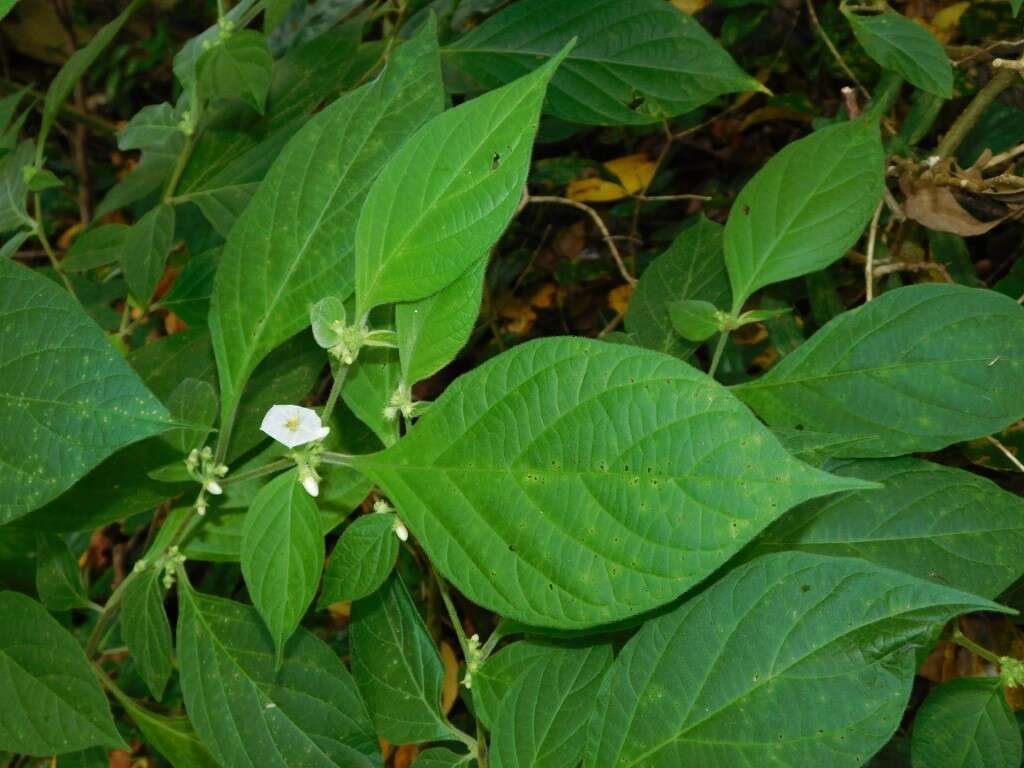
(598, 222)
(869, 262)
(453, 615)
(967, 119)
(832, 48)
(266, 469)
(337, 459)
(40, 232)
(1006, 452)
(717, 357)
(336, 387)
(965, 642)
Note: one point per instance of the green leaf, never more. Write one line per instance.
(117, 489)
(397, 666)
(931, 521)
(432, 331)
(282, 554)
(58, 580)
(96, 247)
(173, 737)
(193, 401)
(152, 126)
(442, 757)
(237, 67)
(189, 297)
(249, 711)
(907, 48)
(40, 180)
(59, 377)
(966, 723)
(1016, 4)
(917, 369)
(419, 231)
(362, 559)
(14, 190)
(94, 757)
(805, 208)
(163, 363)
(266, 282)
(145, 251)
(542, 720)
(500, 672)
(792, 659)
(73, 69)
(6, 6)
(622, 477)
(635, 61)
(691, 268)
(145, 628)
(52, 700)
(695, 320)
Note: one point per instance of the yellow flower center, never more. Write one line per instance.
(293, 423)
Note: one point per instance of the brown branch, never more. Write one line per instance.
(598, 222)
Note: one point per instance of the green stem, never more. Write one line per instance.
(337, 459)
(266, 469)
(332, 398)
(179, 167)
(964, 641)
(717, 357)
(967, 119)
(40, 232)
(453, 615)
(884, 95)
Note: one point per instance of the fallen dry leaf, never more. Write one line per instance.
(634, 173)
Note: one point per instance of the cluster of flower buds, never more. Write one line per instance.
(169, 562)
(206, 471)
(344, 341)
(474, 658)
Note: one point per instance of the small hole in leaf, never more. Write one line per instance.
(495, 161)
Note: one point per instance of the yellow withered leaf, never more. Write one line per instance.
(634, 173)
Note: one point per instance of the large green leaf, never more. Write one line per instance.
(145, 251)
(635, 62)
(268, 279)
(692, 267)
(447, 195)
(362, 559)
(432, 331)
(917, 369)
(67, 398)
(805, 208)
(145, 628)
(52, 700)
(282, 554)
(932, 521)
(542, 719)
(397, 666)
(792, 659)
(252, 713)
(237, 67)
(907, 48)
(570, 482)
(966, 723)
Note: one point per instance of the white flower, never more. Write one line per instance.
(293, 425)
(401, 531)
(311, 485)
(212, 486)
